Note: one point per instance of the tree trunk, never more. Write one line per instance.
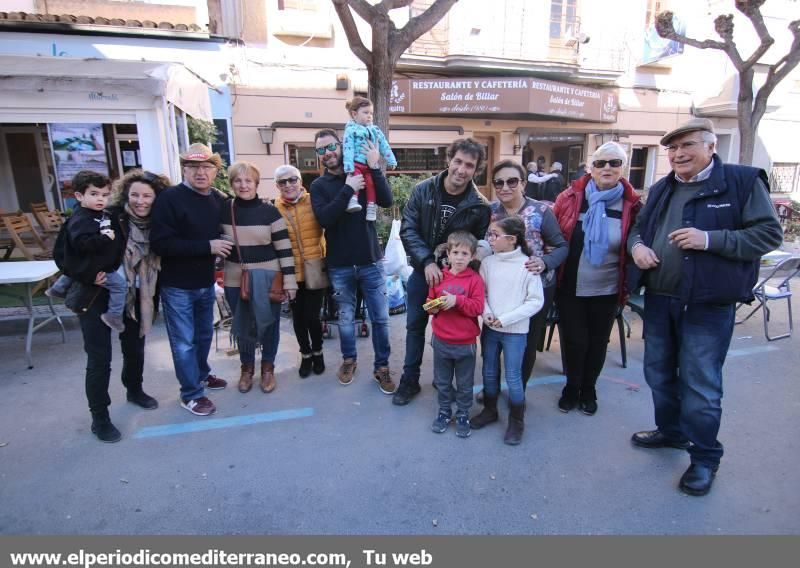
(744, 113)
(381, 73)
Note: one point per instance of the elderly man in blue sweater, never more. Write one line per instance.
(698, 241)
(354, 256)
(185, 234)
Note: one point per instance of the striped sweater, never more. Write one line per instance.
(263, 239)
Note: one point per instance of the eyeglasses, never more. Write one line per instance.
(512, 183)
(201, 167)
(683, 146)
(286, 181)
(494, 236)
(602, 163)
(329, 148)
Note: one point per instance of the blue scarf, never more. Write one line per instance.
(595, 227)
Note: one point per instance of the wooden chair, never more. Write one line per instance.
(41, 207)
(49, 221)
(25, 237)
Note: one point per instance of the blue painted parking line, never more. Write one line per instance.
(751, 350)
(217, 423)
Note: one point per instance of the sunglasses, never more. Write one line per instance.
(510, 182)
(329, 148)
(290, 180)
(602, 163)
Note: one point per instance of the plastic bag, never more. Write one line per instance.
(395, 260)
(396, 294)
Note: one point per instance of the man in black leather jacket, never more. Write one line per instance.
(438, 206)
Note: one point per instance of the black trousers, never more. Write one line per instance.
(584, 326)
(97, 345)
(306, 310)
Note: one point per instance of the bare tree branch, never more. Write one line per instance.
(392, 4)
(752, 9)
(351, 31)
(364, 9)
(724, 28)
(420, 24)
(780, 69)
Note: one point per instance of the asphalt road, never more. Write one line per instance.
(315, 457)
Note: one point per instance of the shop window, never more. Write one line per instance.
(420, 160)
(304, 159)
(638, 168)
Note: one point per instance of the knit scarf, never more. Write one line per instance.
(141, 262)
(595, 227)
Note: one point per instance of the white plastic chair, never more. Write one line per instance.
(775, 286)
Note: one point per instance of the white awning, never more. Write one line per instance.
(181, 86)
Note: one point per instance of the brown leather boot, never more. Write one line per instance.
(268, 383)
(246, 378)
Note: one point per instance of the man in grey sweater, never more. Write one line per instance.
(698, 241)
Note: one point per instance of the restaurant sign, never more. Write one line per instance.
(502, 95)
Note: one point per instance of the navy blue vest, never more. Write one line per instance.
(705, 276)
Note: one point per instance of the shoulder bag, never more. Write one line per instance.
(244, 282)
(315, 271)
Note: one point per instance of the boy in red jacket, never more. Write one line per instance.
(455, 303)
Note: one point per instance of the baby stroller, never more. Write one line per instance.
(330, 315)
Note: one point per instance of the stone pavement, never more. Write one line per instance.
(315, 457)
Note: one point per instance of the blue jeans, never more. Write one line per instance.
(372, 281)
(272, 335)
(189, 317)
(416, 323)
(512, 346)
(684, 351)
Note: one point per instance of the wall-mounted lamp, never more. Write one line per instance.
(342, 82)
(267, 134)
(517, 141)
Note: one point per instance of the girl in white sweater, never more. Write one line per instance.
(513, 295)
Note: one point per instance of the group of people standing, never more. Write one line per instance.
(696, 242)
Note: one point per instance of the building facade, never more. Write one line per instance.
(101, 85)
(553, 79)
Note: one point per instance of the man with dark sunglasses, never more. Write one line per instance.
(353, 252)
(698, 241)
(438, 206)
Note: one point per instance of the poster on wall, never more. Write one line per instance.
(77, 147)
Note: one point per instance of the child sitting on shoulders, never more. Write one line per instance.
(359, 129)
(455, 302)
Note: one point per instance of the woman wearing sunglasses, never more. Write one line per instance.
(544, 239)
(595, 214)
(262, 246)
(305, 232)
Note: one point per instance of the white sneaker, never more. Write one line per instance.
(372, 212)
(354, 206)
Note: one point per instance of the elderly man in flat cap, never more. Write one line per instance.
(698, 241)
(185, 234)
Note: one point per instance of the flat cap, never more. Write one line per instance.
(689, 126)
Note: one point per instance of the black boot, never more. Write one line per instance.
(305, 366)
(103, 428)
(569, 398)
(487, 415)
(516, 425)
(318, 362)
(141, 398)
